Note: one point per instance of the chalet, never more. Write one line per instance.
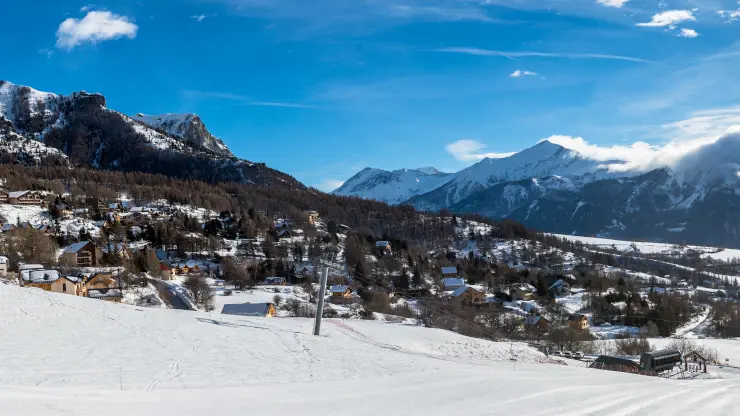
(63, 210)
(559, 288)
(102, 286)
(536, 323)
(96, 204)
(384, 246)
(4, 198)
(52, 281)
(578, 321)
(167, 271)
(469, 296)
(186, 267)
(82, 254)
(115, 207)
(24, 271)
(276, 281)
(4, 261)
(340, 292)
(452, 283)
(523, 291)
(6, 228)
(266, 310)
(313, 216)
(26, 198)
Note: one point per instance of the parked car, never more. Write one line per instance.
(567, 354)
(558, 353)
(578, 355)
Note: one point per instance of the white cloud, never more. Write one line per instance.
(86, 8)
(519, 73)
(471, 150)
(96, 26)
(328, 185)
(47, 52)
(520, 54)
(668, 18)
(729, 15)
(198, 18)
(688, 33)
(612, 3)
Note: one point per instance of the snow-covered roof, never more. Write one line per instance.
(459, 291)
(104, 293)
(453, 281)
(449, 270)
(526, 287)
(560, 282)
(7, 227)
(74, 248)
(382, 243)
(247, 309)
(4, 260)
(274, 279)
(339, 288)
(23, 267)
(43, 276)
(17, 194)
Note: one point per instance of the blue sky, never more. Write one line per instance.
(322, 88)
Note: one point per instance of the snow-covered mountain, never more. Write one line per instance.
(40, 128)
(187, 127)
(395, 186)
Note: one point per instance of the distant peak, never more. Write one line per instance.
(428, 170)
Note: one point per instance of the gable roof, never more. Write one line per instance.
(559, 282)
(453, 281)
(247, 309)
(459, 291)
(17, 194)
(449, 270)
(7, 227)
(339, 288)
(74, 248)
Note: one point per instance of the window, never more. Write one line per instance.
(64, 287)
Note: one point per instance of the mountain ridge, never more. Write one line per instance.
(79, 130)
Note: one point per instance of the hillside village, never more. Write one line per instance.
(489, 280)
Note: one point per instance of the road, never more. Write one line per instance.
(168, 295)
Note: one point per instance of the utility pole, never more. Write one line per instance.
(322, 295)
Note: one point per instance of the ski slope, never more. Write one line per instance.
(65, 355)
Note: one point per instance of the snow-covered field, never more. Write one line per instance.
(67, 355)
(23, 213)
(717, 253)
(260, 294)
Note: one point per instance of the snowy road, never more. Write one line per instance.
(66, 355)
(169, 295)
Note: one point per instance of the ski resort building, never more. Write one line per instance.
(470, 296)
(26, 198)
(82, 254)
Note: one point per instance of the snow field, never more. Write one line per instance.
(76, 356)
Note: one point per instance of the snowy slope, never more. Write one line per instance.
(392, 187)
(76, 356)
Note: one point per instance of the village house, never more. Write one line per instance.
(26, 198)
(265, 310)
(578, 321)
(52, 281)
(469, 296)
(276, 281)
(6, 228)
(96, 204)
(452, 283)
(102, 286)
(340, 293)
(3, 196)
(536, 323)
(187, 267)
(523, 291)
(559, 288)
(384, 246)
(167, 271)
(284, 233)
(82, 254)
(63, 210)
(313, 216)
